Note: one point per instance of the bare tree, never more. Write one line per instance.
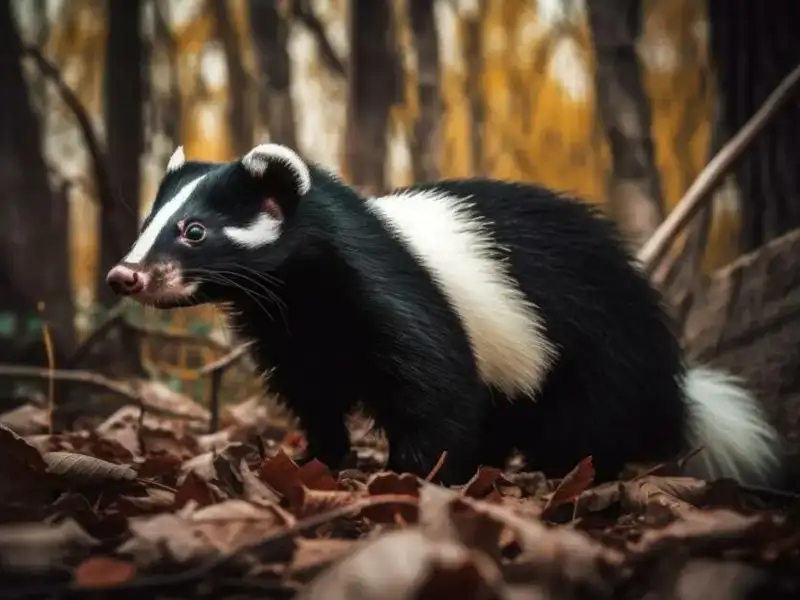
(374, 87)
(124, 94)
(634, 188)
(270, 33)
(473, 56)
(238, 113)
(34, 247)
(426, 141)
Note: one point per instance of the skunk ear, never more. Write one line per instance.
(279, 171)
(176, 160)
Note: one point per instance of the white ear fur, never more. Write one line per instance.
(259, 159)
(176, 160)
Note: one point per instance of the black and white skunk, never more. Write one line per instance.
(472, 316)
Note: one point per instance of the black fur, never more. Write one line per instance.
(354, 319)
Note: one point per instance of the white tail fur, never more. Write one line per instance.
(727, 421)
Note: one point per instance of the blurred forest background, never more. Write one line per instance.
(622, 102)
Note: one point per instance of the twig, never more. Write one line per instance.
(226, 361)
(217, 369)
(99, 160)
(303, 12)
(654, 249)
(437, 467)
(84, 377)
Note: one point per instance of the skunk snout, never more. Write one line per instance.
(125, 281)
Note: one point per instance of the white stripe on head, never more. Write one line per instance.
(159, 221)
(259, 159)
(261, 231)
(456, 247)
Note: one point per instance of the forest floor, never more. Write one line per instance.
(144, 504)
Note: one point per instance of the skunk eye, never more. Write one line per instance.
(194, 233)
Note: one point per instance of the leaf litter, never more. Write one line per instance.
(153, 506)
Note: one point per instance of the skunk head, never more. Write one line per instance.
(207, 222)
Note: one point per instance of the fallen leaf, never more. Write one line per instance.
(482, 483)
(86, 470)
(304, 502)
(165, 536)
(155, 500)
(279, 472)
(40, 547)
(194, 488)
(676, 494)
(388, 483)
(162, 466)
(471, 576)
(24, 482)
(26, 419)
(102, 571)
(311, 556)
(573, 484)
(316, 476)
(159, 398)
(394, 566)
(254, 490)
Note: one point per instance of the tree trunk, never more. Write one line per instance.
(270, 33)
(634, 188)
(124, 92)
(753, 47)
(34, 247)
(238, 114)
(426, 141)
(473, 56)
(374, 83)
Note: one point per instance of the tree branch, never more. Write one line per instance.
(656, 247)
(304, 13)
(51, 72)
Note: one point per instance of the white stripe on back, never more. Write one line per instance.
(505, 329)
(149, 236)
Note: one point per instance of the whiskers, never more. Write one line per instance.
(251, 283)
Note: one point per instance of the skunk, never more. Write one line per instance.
(471, 316)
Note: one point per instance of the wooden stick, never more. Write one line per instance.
(656, 247)
(83, 377)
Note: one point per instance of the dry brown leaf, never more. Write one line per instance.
(482, 483)
(194, 488)
(27, 419)
(160, 399)
(305, 502)
(473, 576)
(386, 483)
(102, 571)
(24, 482)
(311, 556)
(164, 467)
(316, 476)
(395, 566)
(163, 536)
(254, 490)
(37, 547)
(573, 484)
(155, 500)
(279, 472)
(446, 516)
(15, 448)
(232, 524)
(81, 469)
(676, 494)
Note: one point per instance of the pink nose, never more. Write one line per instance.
(125, 281)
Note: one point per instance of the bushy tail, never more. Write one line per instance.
(727, 421)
